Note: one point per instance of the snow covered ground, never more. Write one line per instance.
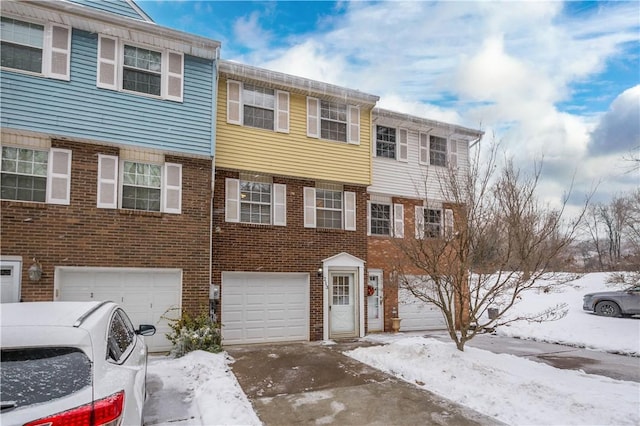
(201, 390)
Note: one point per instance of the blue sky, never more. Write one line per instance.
(559, 80)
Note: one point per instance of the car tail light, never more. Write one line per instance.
(104, 412)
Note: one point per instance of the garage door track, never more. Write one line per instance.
(316, 384)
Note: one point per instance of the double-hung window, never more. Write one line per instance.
(438, 151)
(386, 219)
(433, 222)
(36, 175)
(40, 48)
(142, 70)
(139, 69)
(380, 219)
(391, 143)
(255, 199)
(386, 142)
(255, 106)
(328, 206)
(134, 185)
(333, 121)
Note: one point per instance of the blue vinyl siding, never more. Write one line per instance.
(77, 108)
(118, 7)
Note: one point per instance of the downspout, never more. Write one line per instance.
(214, 117)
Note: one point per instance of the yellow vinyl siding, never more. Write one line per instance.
(292, 154)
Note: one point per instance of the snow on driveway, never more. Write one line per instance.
(200, 388)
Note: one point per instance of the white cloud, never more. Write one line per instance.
(619, 129)
(248, 32)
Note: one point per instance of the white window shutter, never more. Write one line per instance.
(403, 145)
(398, 220)
(279, 204)
(353, 135)
(419, 222)
(350, 211)
(59, 177)
(107, 75)
(368, 217)
(448, 223)
(453, 153)
(313, 118)
(232, 200)
(175, 76)
(309, 207)
(423, 157)
(172, 188)
(107, 181)
(234, 102)
(282, 111)
(59, 43)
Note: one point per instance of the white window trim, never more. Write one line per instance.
(349, 217)
(314, 122)
(281, 108)
(233, 202)
(446, 153)
(370, 218)
(119, 67)
(47, 49)
(420, 223)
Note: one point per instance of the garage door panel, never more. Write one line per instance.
(148, 296)
(268, 307)
(416, 314)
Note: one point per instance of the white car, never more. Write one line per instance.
(71, 363)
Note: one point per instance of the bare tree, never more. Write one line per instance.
(503, 244)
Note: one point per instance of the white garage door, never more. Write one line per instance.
(260, 308)
(416, 314)
(147, 295)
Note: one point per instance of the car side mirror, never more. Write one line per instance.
(146, 330)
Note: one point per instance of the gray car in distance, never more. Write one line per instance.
(614, 303)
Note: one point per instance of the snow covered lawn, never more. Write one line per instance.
(200, 388)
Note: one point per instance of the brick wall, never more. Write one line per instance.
(385, 253)
(82, 235)
(294, 248)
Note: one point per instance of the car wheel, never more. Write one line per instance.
(608, 309)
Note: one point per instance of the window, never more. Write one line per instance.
(255, 202)
(385, 142)
(139, 69)
(22, 45)
(121, 336)
(259, 105)
(26, 45)
(36, 175)
(385, 218)
(142, 70)
(380, 219)
(255, 199)
(141, 186)
(255, 106)
(432, 223)
(341, 290)
(328, 206)
(333, 121)
(437, 151)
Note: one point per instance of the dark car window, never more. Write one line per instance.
(34, 375)
(121, 335)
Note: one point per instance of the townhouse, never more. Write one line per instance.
(290, 235)
(107, 158)
(408, 201)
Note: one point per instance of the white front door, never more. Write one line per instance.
(10, 281)
(375, 309)
(342, 304)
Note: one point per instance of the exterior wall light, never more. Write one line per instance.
(319, 272)
(35, 271)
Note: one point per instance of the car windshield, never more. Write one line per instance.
(34, 375)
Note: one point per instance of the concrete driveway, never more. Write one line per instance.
(312, 383)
